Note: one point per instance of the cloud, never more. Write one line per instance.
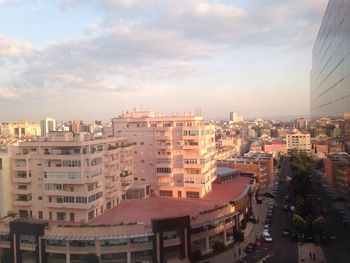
(90, 28)
(13, 49)
(6, 93)
(9, 2)
(137, 43)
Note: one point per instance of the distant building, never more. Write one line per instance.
(302, 123)
(300, 142)
(276, 147)
(235, 118)
(260, 164)
(47, 125)
(337, 173)
(19, 129)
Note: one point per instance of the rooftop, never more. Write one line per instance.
(144, 210)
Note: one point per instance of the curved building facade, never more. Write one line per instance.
(330, 74)
(155, 229)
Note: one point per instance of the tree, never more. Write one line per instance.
(6, 256)
(196, 255)
(238, 236)
(91, 258)
(218, 247)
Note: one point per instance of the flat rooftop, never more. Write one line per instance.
(144, 210)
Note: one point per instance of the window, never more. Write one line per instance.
(71, 217)
(61, 216)
(40, 215)
(91, 214)
(192, 194)
(165, 193)
(164, 170)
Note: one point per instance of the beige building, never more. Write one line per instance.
(5, 184)
(174, 154)
(69, 177)
(298, 141)
(20, 128)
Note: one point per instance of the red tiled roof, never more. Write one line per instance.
(145, 210)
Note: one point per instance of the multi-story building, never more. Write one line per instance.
(300, 142)
(276, 147)
(235, 118)
(5, 184)
(19, 129)
(337, 173)
(174, 154)
(48, 125)
(70, 177)
(260, 164)
(330, 74)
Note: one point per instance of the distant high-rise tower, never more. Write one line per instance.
(47, 126)
(330, 74)
(234, 117)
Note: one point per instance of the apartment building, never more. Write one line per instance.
(174, 154)
(70, 177)
(5, 184)
(298, 141)
(19, 128)
(260, 164)
(48, 125)
(337, 173)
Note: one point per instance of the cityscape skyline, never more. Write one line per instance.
(147, 54)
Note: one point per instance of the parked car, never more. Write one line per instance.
(250, 248)
(267, 237)
(266, 227)
(332, 237)
(285, 232)
(271, 195)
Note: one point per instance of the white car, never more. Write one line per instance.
(267, 237)
(266, 228)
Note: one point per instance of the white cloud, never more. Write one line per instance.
(7, 93)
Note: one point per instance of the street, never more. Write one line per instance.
(338, 250)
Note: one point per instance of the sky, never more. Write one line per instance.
(93, 59)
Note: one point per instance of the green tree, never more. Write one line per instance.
(218, 247)
(6, 256)
(91, 258)
(196, 255)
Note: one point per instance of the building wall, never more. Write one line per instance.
(299, 141)
(174, 154)
(330, 74)
(70, 174)
(20, 128)
(337, 173)
(263, 168)
(5, 184)
(275, 148)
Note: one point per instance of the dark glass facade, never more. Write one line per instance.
(330, 74)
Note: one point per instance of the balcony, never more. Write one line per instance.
(167, 183)
(21, 191)
(22, 203)
(22, 180)
(126, 186)
(69, 205)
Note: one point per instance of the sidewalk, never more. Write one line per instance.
(307, 248)
(250, 233)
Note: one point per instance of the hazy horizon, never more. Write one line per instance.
(92, 60)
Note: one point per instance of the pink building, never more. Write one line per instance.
(174, 154)
(69, 177)
(275, 147)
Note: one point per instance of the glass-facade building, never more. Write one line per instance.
(330, 74)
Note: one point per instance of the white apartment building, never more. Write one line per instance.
(174, 154)
(47, 125)
(69, 177)
(5, 184)
(298, 141)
